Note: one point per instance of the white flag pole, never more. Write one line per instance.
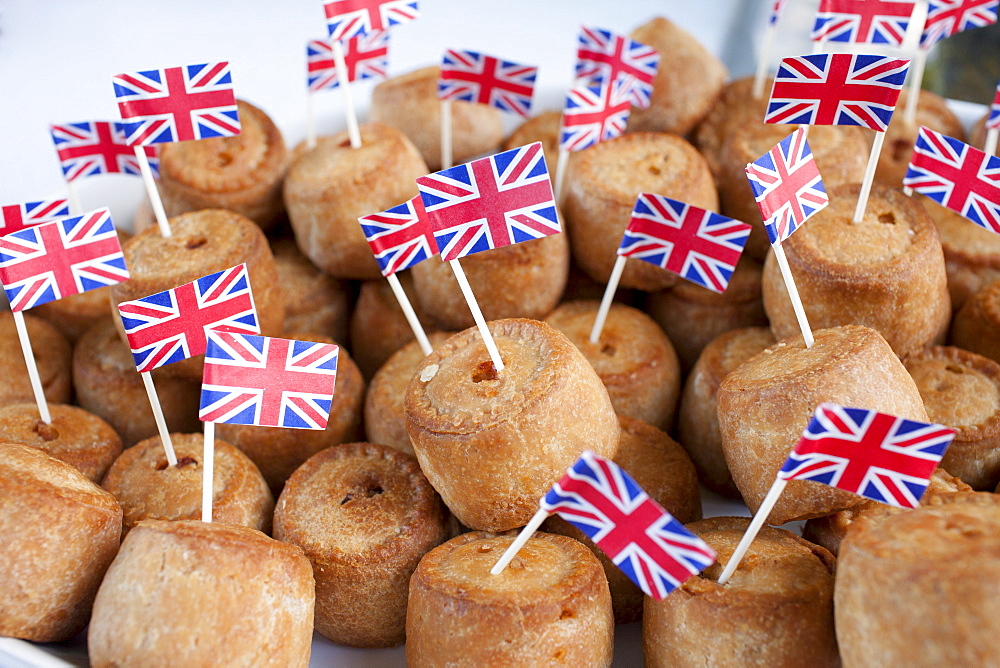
(991, 141)
(477, 314)
(609, 295)
(310, 121)
(447, 152)
(762, 62)
(207, 472)
(75, 209)
(411, 316)
(561, 162)
(353, 131)
(793, 294)
(766, 506)
(866, 183)
(913, 92)
(29, 361)
(161, 423)
(151, 191)
(529, 529)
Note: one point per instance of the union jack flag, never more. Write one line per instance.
(594, 113)
(836, 89)
(694, 243)
(651, 547)
(881, 457)
(19, 216)
(63, 257)
(366, 57)
(949, 17)
(97, 147)
(870, 21)
(777, 9)
(177, 104)
(787, 186)
(170, 326)
(350, 18)
(267, 382)
(602, 56)
(491, 202)
(474, 77)
(993, 120)
(400, 237)
(957, 176)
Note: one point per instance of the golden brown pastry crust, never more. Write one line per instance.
(633, 358)
(52, 358)
(840, 152)
(108, 386)
(693, 316)
(698, 420)
(201, 243)
(734, 107)
(148, 488)
(378, 311)
(190, 593)
(242, 173)
(314, 301)
(365, 515)
(885, 272)
(687, 82)
(971, 253)
(385, 420)
(278, 451)
(777, 610)
(600, 190)
(977, 324)
(829, 531)
(549, 606)
(523, 280)
(662, 468)
(60, 532)
(932, 111)
(493, 443)
(766, 403)
(961, 390)
(409, 103)
(931, 572)
(75, 436)
(330, 186)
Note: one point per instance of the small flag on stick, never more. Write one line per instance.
(91, 148)
(787, 186)
(602, 55)
(350, 18)
(174, 104)
(957, 176)
(269, 382)
(601, 499)
(863, 21)
(696, 244)
(878, 456)
(474, 77)
(400, 238)
(993, 124)
(56, 259)
(774, 16)
(19, 216)
(950, 17)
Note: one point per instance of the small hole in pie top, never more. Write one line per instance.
(484, 371)
(887, 218)
(47, 432)
(197, 242)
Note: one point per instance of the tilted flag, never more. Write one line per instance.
(881, 457)
(777, 9)
(350, 18)
(97, 147)
(594, 113)
(693, 243)
(491, 202)
(474, 77)
(400, 237)
(957, 176)
(170, 326)
(602, 55)
(787, 186)
(651, 547)
(19, 216)
(866, 21)
(949, 17)
(267, 382)
(836, 89)
(63, 257)
(366, 57)
(177, 104)
(993, 120)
